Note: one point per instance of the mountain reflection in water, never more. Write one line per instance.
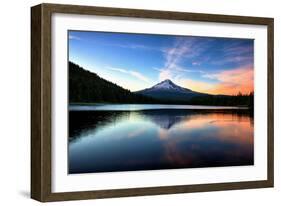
(107, 141)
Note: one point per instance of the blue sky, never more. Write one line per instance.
(138, 61)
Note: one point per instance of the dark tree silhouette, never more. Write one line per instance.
(88, 87)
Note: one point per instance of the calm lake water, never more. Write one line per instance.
(107, 138)
(141, 107)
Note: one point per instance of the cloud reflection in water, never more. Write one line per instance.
(103, 141)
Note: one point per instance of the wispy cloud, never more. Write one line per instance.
(175, 73)
(238, 49)
(239, 59)
(130, 72)
(183, 48)
(72, 37)
(228, 82)
(236, 53)
(196, 63)
(243, 74)
(136, 46)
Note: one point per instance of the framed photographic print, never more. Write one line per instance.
(132, 102)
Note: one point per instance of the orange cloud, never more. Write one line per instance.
(230, 82)
(195, 85)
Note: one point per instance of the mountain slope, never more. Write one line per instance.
(88, 87)
(167, 90)
(85, 86)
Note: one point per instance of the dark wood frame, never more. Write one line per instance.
(41, 101)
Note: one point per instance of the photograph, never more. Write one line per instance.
(134, 102)
(140, 102)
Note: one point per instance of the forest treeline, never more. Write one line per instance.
(88, 87)
(225, 100)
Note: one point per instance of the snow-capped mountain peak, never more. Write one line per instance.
(166, 84)
(168, 90)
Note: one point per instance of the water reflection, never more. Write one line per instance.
(105, 141)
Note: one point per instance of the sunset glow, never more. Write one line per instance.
(138, 61)
(231, 82)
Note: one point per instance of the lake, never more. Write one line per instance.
(108, 138)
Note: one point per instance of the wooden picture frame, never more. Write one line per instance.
(41, 115)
